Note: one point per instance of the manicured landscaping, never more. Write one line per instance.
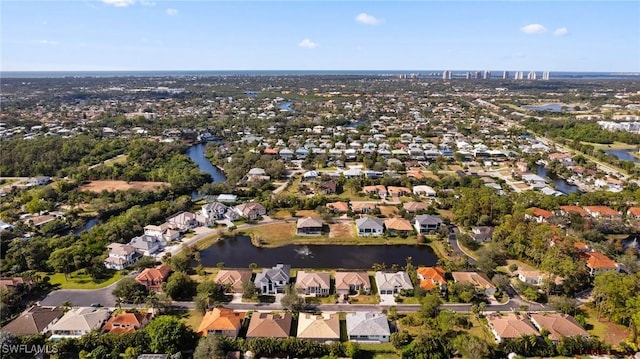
(192, 318)
(79, 280)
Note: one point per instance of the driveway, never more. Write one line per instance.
(81, 297)
(387, 299)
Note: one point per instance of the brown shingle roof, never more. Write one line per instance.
(33, 321)
(398, 224)
(268, 325)
(511, 326)
(233, 277)
(558, 325)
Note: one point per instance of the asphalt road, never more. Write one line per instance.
(81, 297)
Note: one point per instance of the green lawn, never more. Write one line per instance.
(192, 318)
(79, 280)
(379, 351)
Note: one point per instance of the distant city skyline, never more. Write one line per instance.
(155, 35)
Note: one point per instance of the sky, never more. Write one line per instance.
(137, 35)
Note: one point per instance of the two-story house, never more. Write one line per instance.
(273, 280)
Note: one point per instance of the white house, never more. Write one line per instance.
(120, 256)
(78, 322)
(368, 327)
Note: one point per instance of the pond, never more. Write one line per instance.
(623, 155)
(559, 183)
(238, 252)
(551, 107)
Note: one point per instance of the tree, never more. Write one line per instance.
(291, 300)
(400, 339)
(249, 289)
(180, 263)
(129, 290)
(471, 347)
(168, 334)
(429, 307)
(210, 347)
(180, 286)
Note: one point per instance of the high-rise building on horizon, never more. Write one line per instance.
(546, 75)
(468, 76)
(532, 75)
(478, 75)
(487, 75)
(446, 75)
(519, 75)
(505, 75)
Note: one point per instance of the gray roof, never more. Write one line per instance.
(425, 219)
(369, 222)
(388, 281)
(215, 207)
(309, 222)
(278, 273)
(144, 242)
(366, 323)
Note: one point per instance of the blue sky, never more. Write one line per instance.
(319, 35)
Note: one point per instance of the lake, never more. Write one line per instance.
(559, 183)
(238, 252)
(551, 107)
(623, 155)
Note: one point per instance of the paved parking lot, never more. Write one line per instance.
(81, 297)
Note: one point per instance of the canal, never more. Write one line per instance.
(197, 154)
(238, 252)
(559, 183)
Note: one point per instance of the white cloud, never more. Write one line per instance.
(48, 42)
(533, 29)
(308, 44)
(172, 12)
(561, 31)
(367, 19)
(119, 3)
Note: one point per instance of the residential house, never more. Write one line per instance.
(479, 280)
(310, 175)
(377, 190)
(532, 277)
(352, 283)
(398, 226)
(425, 223)
(221, 321)
(363, 207)
(558, 325)
(125, 322)
(510, 326)
(393, 283)
(257, 175)
(227, 198)
(369, 227)
(286, 154)
(313, 283)
(233, 279)
(322, 328)
(414, 207)
(273, 280)
(251, 210)
(538, 214)
(184, 220)
(568, 210)
(602, 212)
(482, 233)
(16, 284)
(598, 262)
(37, 181)
(146, 244)
(35, 320)
(327, 187)
(432, 278)
(120, 256)
(396, 192)
(309, 226)
(424, 191)
(165, 231)
(269, 325)
(368, 327)
(78, 322)
(216, 211)
(633, 213)
(152, 278)
(338, 207)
